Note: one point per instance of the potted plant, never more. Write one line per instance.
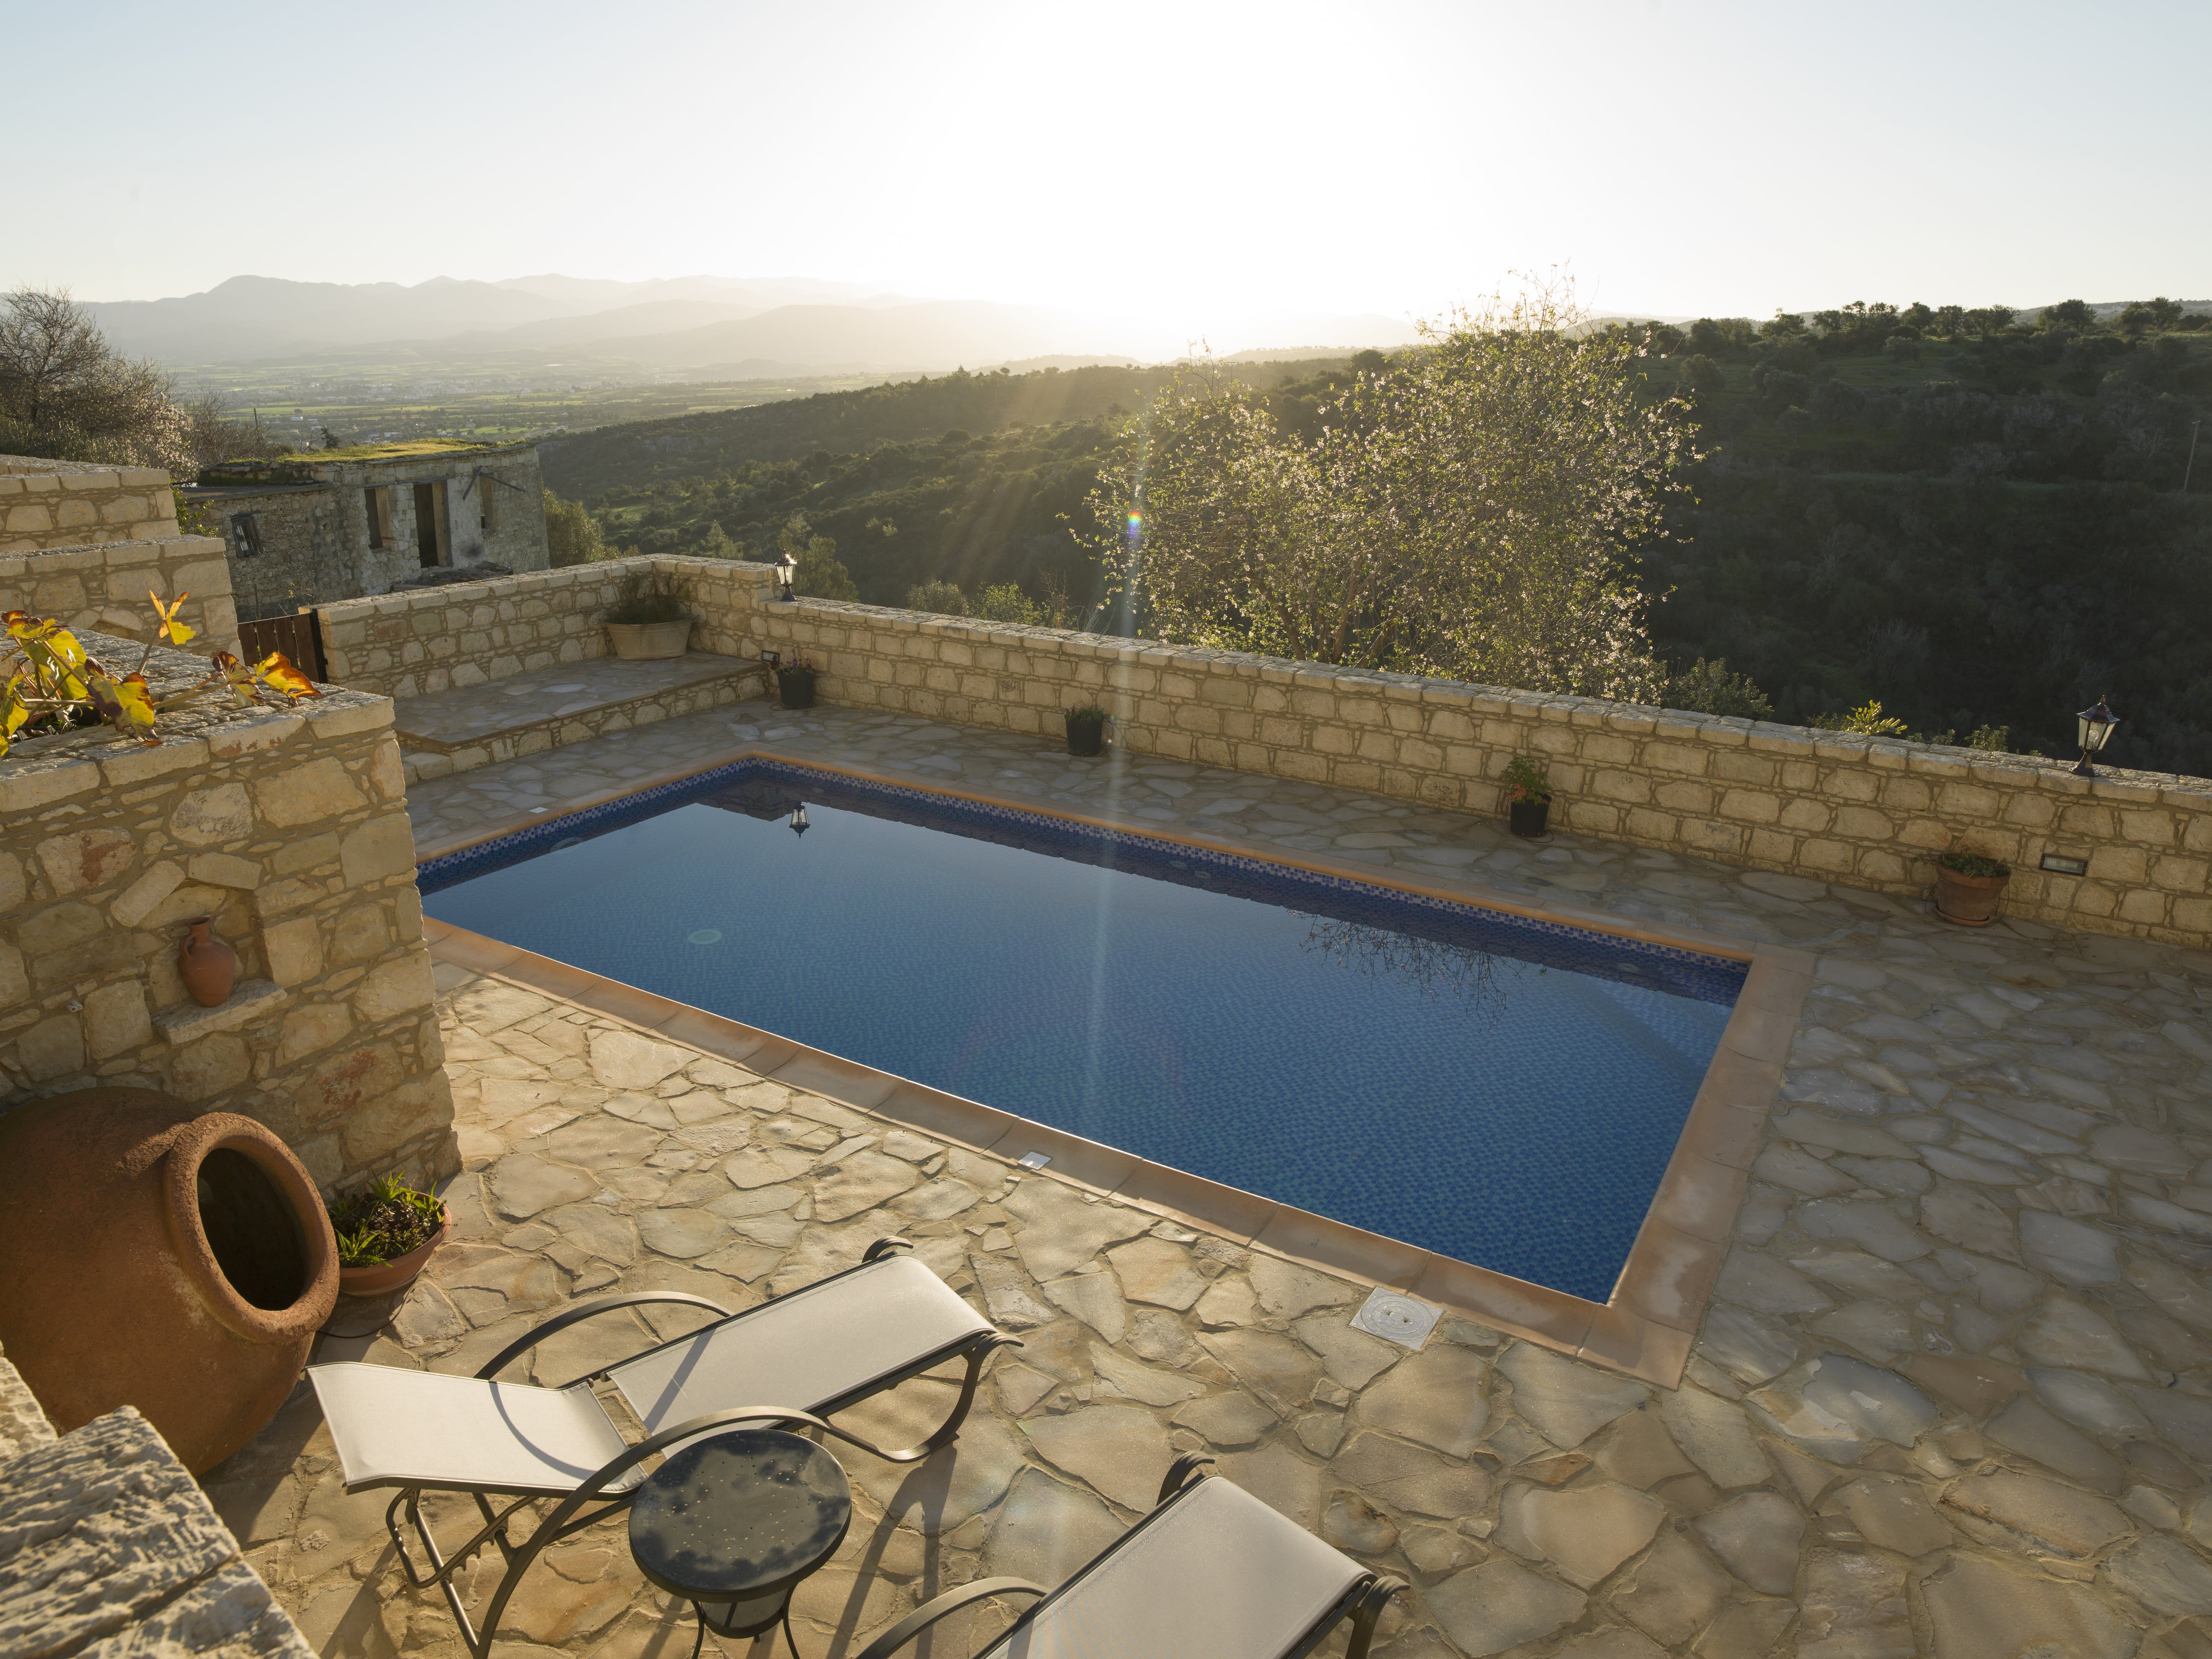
(1968, 886)
(385, 1235)
(1529, 796)
(1086, 730)
(794, 684)
(651, 616)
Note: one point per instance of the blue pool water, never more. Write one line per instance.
(1501, 1090)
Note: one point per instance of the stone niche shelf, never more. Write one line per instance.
(249, 999)
(473, 725)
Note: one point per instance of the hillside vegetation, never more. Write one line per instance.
(1975, 519)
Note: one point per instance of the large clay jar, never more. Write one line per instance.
(207, 965)
(153, 1256)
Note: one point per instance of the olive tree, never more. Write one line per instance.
(1469, 512)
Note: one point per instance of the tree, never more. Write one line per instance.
(822, 575)
(1702, 376)
(1470, 514)
(1706, 687)
(572, 535)
(942, 596)
(1005, 602)
(65, 393)
(2068, 314)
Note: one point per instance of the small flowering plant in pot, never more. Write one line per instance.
(1086, 730)
(1968, 887)
(1528, 796)
(385, 1235)
(794, 684)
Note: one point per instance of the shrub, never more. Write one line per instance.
(648, 596)
(937, 595)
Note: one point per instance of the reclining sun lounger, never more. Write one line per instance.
(800, 1357)
(1211, 1573)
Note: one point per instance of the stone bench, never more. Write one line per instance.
(468, 727)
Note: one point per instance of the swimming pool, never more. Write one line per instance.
(1498, 1089)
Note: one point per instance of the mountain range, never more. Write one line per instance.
(727, 326)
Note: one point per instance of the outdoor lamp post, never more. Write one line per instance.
(799, 820)
(786, 570)
(2096, 731)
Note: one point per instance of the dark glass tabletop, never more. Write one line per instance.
(741, 1516)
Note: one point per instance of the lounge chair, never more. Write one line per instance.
(1211, 1573)
(800, 1358)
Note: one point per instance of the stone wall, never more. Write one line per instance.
(290, 829)
(104, 587)
(406, 645)
(1872, 813)
(69, 504)
(301, 558)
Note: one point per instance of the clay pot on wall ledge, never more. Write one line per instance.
(641, 642)
(158, 1257)
(207, 965)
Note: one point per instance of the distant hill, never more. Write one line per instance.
(635, 453)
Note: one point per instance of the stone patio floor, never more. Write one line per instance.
(1952, 1395)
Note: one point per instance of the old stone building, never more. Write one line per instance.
(342, 524)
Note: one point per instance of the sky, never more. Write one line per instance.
(1187, 164)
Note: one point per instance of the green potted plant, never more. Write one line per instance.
(1086, 730)
(651, 616)
(794, 683)
(385, 1235)
(1968, 887)
(1529, 796)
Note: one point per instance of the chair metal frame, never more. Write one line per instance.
(1363, 1602)
(564, 1520)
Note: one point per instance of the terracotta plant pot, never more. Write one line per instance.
(1085, 737)
(160, 1258)
(1970, 901)
(1528, 818)
(401, 1271)
(794, 686)
(643, 641)
(210, 967)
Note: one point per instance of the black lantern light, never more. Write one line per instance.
(786, 570)
(2096, 731)
(799, 820)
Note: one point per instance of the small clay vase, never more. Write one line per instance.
(208, 966)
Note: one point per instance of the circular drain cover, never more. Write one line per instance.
(706, 936)
(1396, 1318)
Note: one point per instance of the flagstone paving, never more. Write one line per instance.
(1953, 1397)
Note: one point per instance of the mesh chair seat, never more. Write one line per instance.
(1216, 1574)
(402, 1428)
(817, 1349)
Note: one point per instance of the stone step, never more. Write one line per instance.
(526, 714)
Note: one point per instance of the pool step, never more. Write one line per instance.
(473, 725)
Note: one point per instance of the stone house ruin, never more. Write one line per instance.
(345, 523)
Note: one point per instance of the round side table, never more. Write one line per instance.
(736, 1522)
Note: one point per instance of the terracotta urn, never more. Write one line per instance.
(401, 1271)
(208, 966)
(1969, 901)
(159, 1257)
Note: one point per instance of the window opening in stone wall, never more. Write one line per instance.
(430, 522)
(379, 502)
(487, 503)
(245, 534)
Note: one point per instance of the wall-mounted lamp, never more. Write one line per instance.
(2095, 732)
(786, 570)
(799, 825)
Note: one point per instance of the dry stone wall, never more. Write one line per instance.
(1822, 805)
(409, 644)
(290, 830)
(104, 589)
(67, 504)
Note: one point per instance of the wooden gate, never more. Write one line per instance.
(299, 636)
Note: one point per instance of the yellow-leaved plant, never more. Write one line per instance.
(52, 683)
